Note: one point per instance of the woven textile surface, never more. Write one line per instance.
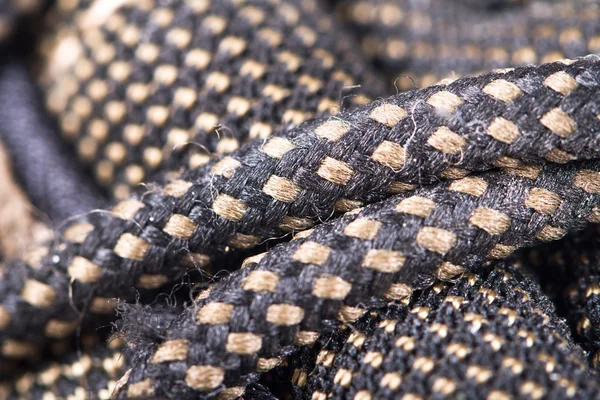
(299, 199)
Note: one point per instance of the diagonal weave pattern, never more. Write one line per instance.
(297, 177)
(150, 90)
(339, 268)
(418, 42)
(474, 338)
(208, 105)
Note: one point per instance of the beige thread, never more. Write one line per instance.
(225, 167)
(253, 260)
(151, 281)
(281, 189)
(491, 221)
(204, 377)
(242, 241)
(15, 349)
(284, 314)
(400, 187)
(312, 253)
(103, 305)
(177, 188)
(448, 271)
(84, 270)
(388, 114)
(345, 205)
(276, 147)
(470, 185)
(142, 389)
(454, 173)
(243, 343)
(385, 261)
(295, 224)
(446, 141)
(131, 247)
(398, 292)
(503, 130)
(215, 313)
(588, 180)
(180, 226)
(550, 233)
(444, 102)
(335, 171)
(501, 251)
(391, 380)
(306, 338)
(436, 239)
(559, 156)
(229, 207)
(267, 364)
(543, 201)
(332, 129)
(59, 329)
(390, 154)
(502, 90)
(348, 315)
(127, 209)
(363, 228)
(559, 122)
(331, 287)
(561, 82)
(444, 386)
(4, 318)
(261, 281)
(77, 233)
(38, 294)
(416, 205)
(171, 350)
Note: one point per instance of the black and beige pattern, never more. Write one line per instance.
(474, 338)
(248, 123)
(300, 176)
(572, 280)
(150, 90)
(420, 42)
(91, 373)
(339, 269)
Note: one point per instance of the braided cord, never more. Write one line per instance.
(300, 176)
(469, 322)
(295, 292)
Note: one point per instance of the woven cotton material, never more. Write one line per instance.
(448, 332)
(420, 42)
(338, 269)
(175, 83)
(473, 338)
(293, 179)
(220, 128)
(575, 263)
